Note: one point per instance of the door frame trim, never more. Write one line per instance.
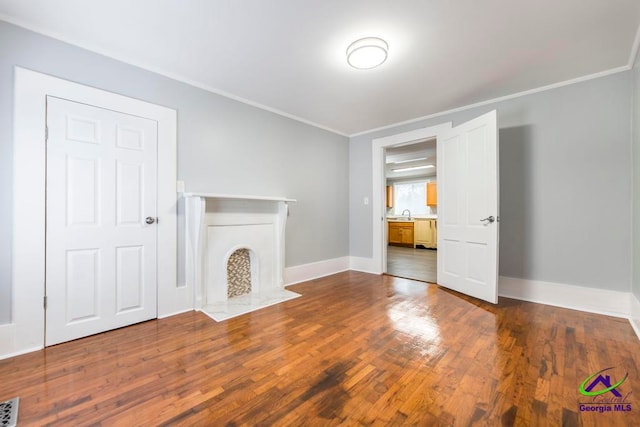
(29, 161)
(377, 206)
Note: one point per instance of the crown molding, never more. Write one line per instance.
(500, 99)
(139, 64)
(173, 76)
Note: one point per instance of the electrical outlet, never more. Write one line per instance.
(180, 186)
(366, 200)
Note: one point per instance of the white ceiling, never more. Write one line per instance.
(414, 154)
(289, 55)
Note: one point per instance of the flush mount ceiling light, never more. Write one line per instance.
(367, 53)
(412, 168)
(410, 160)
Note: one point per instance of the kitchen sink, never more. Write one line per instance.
(399, 218)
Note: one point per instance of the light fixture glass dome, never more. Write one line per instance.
(367, 53)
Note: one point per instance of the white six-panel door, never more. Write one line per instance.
(468, 208)
(100, 250)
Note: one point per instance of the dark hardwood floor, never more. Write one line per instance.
(355, 349)
(413, 263)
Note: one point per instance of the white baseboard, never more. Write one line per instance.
(165, 315)
(314, 270)
(634, 317)
(362, 264)
(11, 346)
(19, 353)
(592, 300)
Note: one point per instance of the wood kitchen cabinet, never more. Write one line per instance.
(432, 194)
(434, 233)
(421, 232)
(426, 233)
(401, 233)
(389, 196)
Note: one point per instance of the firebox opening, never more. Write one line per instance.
(239, 273)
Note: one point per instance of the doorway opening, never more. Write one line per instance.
(410, 173)
(379, 147)
(467, 230)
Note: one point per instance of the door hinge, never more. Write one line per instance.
(46, 133)
(45, 302)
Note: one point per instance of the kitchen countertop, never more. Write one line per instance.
(405, 219)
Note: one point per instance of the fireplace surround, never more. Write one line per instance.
(220, 225)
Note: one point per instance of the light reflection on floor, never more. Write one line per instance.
(413, 319)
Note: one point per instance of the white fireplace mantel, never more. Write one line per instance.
(207, 215)
(239, 197)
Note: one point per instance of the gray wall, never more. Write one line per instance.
(223, 146)
(565, 183)
(635, 119)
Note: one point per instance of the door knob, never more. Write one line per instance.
(150, 220)
(489, 218)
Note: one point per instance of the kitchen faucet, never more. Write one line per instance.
(407, 210)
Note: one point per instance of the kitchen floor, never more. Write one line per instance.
(417, 264)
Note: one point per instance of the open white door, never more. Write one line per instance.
(468, 208)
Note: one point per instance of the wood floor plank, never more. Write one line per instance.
(418, 264)
(355, 349)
